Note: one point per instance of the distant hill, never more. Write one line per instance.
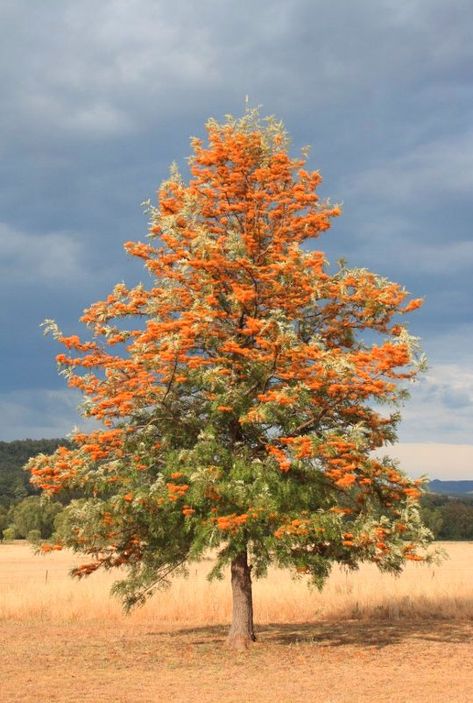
(452, 488)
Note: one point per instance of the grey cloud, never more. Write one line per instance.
(441, 405)
(426, 172)
(129, 62)
(40, 413)
(98, 99)
(397, 239)
(55, 256)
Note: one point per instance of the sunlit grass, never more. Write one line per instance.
(38, 588)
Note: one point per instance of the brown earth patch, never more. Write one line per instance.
(345, 662)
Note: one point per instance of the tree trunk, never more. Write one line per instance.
(241, 632)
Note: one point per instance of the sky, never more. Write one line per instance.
(99, 98)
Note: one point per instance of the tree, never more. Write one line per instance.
(34, 513)
(433, 519)
(3, 520)
(457, 521)
(239, 395)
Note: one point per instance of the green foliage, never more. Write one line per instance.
(34, 536)
(35, 513)
(9, 534)
(457, 521)
(4, 520)
(449, 518)
(434, 519)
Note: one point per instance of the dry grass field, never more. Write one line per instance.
(366, 637)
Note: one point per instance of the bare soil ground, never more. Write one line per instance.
(404, 655)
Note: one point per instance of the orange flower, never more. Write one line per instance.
(412, 492)
(413, 305)
(45, 548)
(345, 481)
(280, 456)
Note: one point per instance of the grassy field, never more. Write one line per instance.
(366, 637)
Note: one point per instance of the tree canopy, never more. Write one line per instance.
(241, 394)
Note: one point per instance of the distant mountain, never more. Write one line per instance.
(453, 488)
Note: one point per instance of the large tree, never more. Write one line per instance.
(240, 393)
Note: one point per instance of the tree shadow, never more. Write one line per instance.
(209, 634)
(365, 633)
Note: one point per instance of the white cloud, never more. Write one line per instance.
(441, 405)
(55, 256)
(436, 432)
(437, 460)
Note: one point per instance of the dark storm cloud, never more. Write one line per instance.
(99, 98)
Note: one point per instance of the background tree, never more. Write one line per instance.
(240, 393)
(448, 516)
(431, 512)
(4, 521)
(434, 520)
(34, 513)
(457, 521)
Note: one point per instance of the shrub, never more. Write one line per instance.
(9, 533)
(34, 536)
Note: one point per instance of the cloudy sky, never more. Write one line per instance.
(99, 98)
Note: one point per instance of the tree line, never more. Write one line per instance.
(24, 514)
(448, 517)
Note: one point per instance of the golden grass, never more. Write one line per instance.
(38, 589)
